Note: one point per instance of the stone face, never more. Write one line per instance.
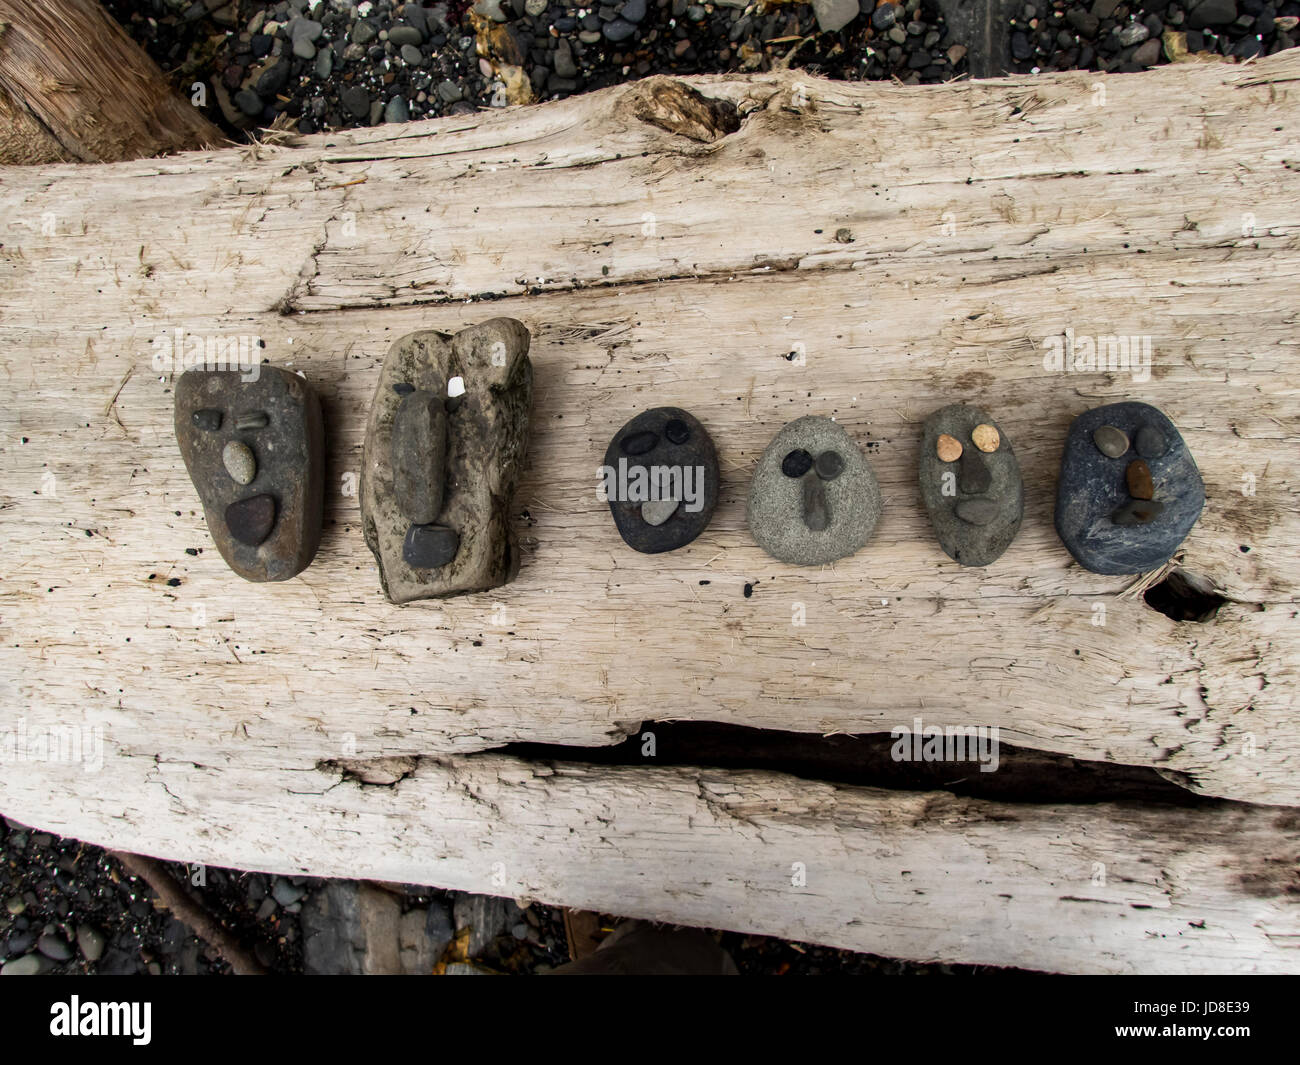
(661, 480)
(804, 518)
(975, 503)
(269, 430)
(486, 435)
(1098, 518)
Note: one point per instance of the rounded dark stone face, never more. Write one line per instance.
(661, 478)
(1127, 512)
(976, 500)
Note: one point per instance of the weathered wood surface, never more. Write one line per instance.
(74, 87)
(1116, 887)
(985, 218)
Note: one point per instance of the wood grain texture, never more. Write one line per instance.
(1112, 887)
(655, 268)
(74, 87)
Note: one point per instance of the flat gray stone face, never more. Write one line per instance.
(255, 452)
(1105, 526)
(813, 497)
(486, 435)
(976, 501)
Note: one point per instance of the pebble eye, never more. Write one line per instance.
(1150, 442)
(796, 463)
(948, 448)
(986, 438)
(640, 443)
(677, 431)
(830, 464)
(1110, 441)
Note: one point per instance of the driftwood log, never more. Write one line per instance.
(75, 88)
(781, 246)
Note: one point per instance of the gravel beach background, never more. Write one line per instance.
(313, 65)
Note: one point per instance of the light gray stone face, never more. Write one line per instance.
(976, 502)
(807, 507)
(472, 483)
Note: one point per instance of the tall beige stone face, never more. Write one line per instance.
(486, 438)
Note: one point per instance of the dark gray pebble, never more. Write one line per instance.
(429, 546)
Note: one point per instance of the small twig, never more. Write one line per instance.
(112, 403)
(188, 909)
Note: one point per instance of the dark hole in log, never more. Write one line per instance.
(1185, 597)
(1022, 775)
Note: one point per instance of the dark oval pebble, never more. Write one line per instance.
(884, 16)
(797, 463)
(1110, 441)
(973, 475)
(249, 102)
(830, 464)
(639, 443)
(677, 431)
(1137, 512)
(1138, 476)
(816, 507)
(1151, 442)
(618, 30)
(977, 511)
(208, 420)
(250, 520)
(429, 546)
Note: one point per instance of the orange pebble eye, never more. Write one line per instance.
(948, 448)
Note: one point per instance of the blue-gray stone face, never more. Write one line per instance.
(1093, 491)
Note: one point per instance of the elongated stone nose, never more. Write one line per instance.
(973, 476)
(419, 456)
(816, 507)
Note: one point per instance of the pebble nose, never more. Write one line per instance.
(816, 507)
(1142, 507)
(973, 476)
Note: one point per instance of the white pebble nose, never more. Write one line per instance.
(658, 511)
(239, 461)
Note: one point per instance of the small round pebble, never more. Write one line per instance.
(1151, 442)
(658, 511)
(677, 431)
(797, 463)
(1110, 441)
(239, 462)
(948, 448)
(986, 438)
(639, 443)
(977, 511)
(830, 464)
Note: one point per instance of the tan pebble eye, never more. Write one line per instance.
(986, 438)
(948, 448)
